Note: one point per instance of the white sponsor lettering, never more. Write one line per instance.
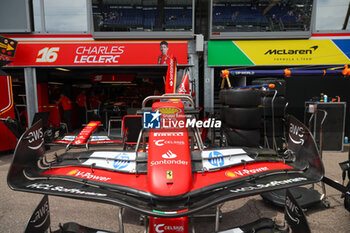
(160, 228)
(35, 136)
(190, 123)
(159, 142)
(225, 152)
(182, 88)
(39, 214)
(168, 162)
(99, 138)
(163, 142)
(245, 172)
(172, 134)
(169, 155)
(297, 131)
(291, 207)
(100, 50)
(98, 54)
(90, 176)
(63, 189)
(118, 161)
(271, 184)
(209, 163)
(68, 138)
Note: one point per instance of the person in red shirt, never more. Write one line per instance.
(95, 106)
(82, 107)
(164, 57)
(94, 101)
(67, 110)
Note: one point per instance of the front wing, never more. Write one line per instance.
(109, 179)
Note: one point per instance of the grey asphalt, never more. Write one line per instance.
(17, 207)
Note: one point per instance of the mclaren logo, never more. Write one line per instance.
(291, 51)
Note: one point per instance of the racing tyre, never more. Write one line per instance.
(278, 106)
(242, 97)
(222, 94)
(280, 86)
(243, 118)
(223, 110)
(241, 137)
(279, 127)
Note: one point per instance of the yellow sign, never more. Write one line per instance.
(169, 174)
(168, 110)
(292, 52)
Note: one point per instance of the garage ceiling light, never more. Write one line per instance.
(124, 84)
(55, 83)
(117, 82)
(62, 69)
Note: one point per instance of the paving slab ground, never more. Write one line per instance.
(17, 207)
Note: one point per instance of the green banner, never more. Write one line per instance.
(226, 53)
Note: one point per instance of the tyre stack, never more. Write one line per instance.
(241, 117)
(274, 104)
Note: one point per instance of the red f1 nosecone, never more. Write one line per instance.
(169, 158)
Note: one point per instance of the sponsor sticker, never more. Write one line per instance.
(62, 189)
(68, 138)
(168, 162)
(225, 152)
(216, 159)
(169, 134)
(121, 161)
(151, 120)
(155, 120)
(162, 142)
(169, 174)
(268, 185)
(296, 134)
(99, 138)
(169, 155)
(40, 220)
(124, 161)
(160, 228)
(245, 172)
(36, 139)
(87, 175)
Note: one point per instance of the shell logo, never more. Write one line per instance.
(92, 124)
(73, 172)
(169, 110)
(230, 174)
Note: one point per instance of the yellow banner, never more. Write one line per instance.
(292, 52)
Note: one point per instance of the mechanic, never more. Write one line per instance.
(67, 110)
(82, 107)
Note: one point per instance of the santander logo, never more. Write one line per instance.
(169, 155)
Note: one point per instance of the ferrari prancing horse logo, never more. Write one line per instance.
(169, 174)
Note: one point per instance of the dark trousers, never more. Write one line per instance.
(66, 117)
(82, 115)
